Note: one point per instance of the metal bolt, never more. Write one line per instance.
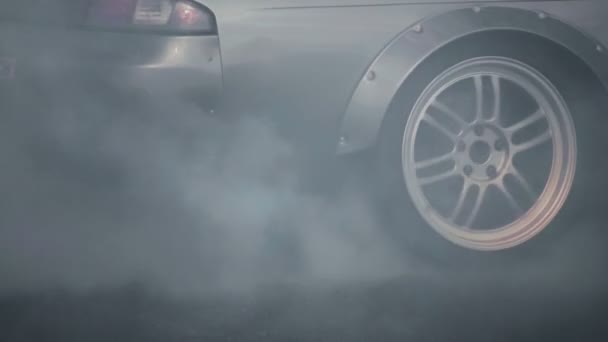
(342, 140)
(542, 15)
(491, 171)
(468, 170)
(476, 9)
(599, 48)
(371, 75)
(417, 28)
(499, 145)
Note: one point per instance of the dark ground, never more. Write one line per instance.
(407, 309)
(562, 299)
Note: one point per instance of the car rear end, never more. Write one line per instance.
(115, 53)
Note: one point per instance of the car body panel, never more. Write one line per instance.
(110, 65)
(391, 69)
(304, 62)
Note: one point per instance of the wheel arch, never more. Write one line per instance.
(373, 96)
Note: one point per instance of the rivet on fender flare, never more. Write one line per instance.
(417, 28)
(371, 75)
(599, 48)
(476, 9)
(542, 15)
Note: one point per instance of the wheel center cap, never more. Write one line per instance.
(480, 152)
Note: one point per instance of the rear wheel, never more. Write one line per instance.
(484, 148)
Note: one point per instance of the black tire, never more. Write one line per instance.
(586, 100)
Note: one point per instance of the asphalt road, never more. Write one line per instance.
(423, 308)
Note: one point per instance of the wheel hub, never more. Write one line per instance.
(482, 153)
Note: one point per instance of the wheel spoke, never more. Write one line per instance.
(434, 161)
(523, 182)
(438, 177)
(497, 97)
(431, 121)
(481, 193)
(536, 116)
(534, 142)
(478, 97)
(449, 112)
(512, 202)
(466, 187)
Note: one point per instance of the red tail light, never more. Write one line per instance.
(160, 16)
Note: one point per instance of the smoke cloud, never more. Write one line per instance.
(103, 194)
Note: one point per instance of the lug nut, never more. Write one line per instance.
(491, 171)
(468, 170)
(499, 145)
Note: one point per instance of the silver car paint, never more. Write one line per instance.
(373, 96)
(304, 61)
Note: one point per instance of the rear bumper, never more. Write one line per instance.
(111, 67)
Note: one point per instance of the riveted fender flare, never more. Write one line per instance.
(372, 97)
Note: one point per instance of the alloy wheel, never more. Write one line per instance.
(489, 153)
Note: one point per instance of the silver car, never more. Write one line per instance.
(486, 117)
